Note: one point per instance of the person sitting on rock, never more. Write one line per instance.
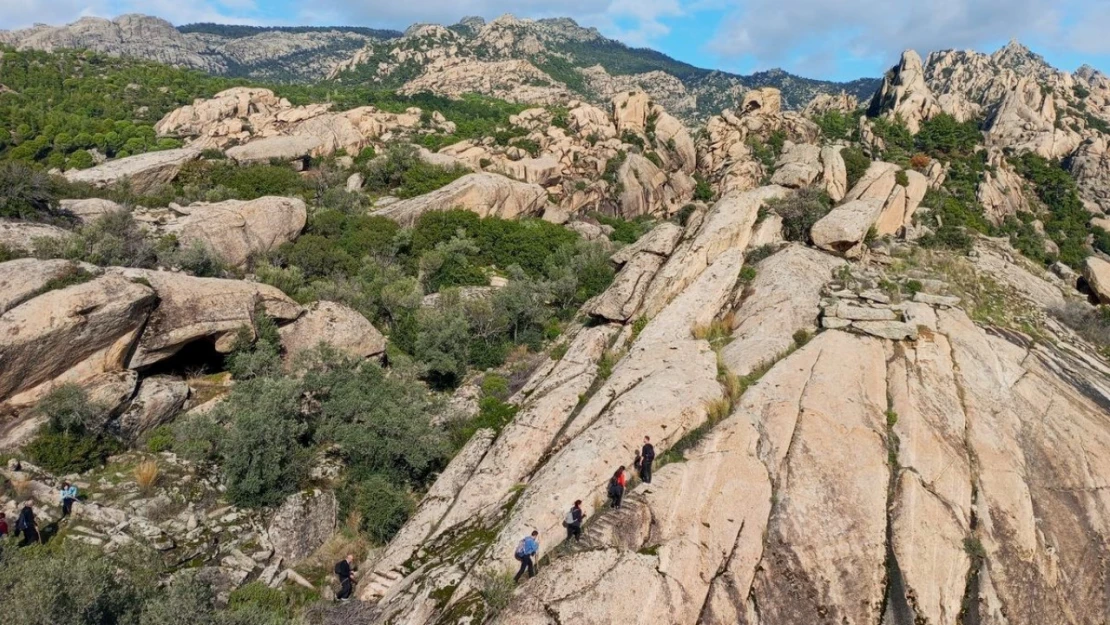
(69, 495)
(573, 521)
(647, 456)
(526, 550)
(25, 524)
(346, 577)
(616, 488)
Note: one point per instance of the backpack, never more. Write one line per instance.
(521, 549)
(569, 520)
(614, 487)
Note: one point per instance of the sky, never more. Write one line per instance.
(829, 39)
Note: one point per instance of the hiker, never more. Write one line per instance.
(3, 525)
(69, 495)
(346, 577)
(616, 488)
(573, 521)
(527, 549)
(25, 524)
(647, 456)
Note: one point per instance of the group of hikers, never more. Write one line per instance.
(25, 523)
(529, 546)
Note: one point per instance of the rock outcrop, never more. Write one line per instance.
(905, 95)
(488, 195)
(302, 523)
(143, 172)
(844, 229)
(334, 325)
(159, 399)
(21, 235)
(234, 230)
(1097, 273)
(70, 334)
(195, 309)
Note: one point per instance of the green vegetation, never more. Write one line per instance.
(856, 164)
(624, 230)
(1065, 220)
(72, 440)
(799, 211)
(64, 104)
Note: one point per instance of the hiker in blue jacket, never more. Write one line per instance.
(69, 495)
(527, 549)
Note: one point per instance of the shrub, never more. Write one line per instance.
(197, 438)
(381, 507)
(747, 274)
(70, 585)
(112, 240)
(800, 211)
(625, 230)
(186, 601)
(257, 596)
(855, 163)
(834, 124)
(495, 386)
(920, 162)
(801, 337)
(65, 452)
(261, 458)
(496, 588)
(901, 178)
(26, 193)
(703, 191)
(160, 439)
(1091, 323)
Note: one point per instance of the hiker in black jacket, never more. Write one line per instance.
(346, 577)
(573, 521)
(26, 525)
(647, 456)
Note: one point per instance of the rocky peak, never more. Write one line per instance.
(904, 93)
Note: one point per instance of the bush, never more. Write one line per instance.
(160, 439)
(112, 240)
(261, 455)
(799, 211)
(703, 191)
(381, 507)
(835, 125)
(197, 438)
(70, 441)
(70, 585)
(856, 164)
(625, 230)
(65, 452)
(26, 193)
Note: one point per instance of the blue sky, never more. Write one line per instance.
(833, 39)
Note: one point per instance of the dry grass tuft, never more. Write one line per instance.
(146, 474)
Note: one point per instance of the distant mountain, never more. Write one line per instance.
(534, 61)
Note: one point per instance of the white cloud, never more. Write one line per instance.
(774, 32)
(23, 13)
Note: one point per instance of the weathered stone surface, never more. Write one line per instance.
(192, 309)
(727, 226)
(843, 230)
(835, 172)
(820, 414)
(71, 334)
(767, 232)
(435, 504)
(799, 166)
(893, 330)
(23, 278)
(1097, 273)
(861, 313)
(1026, 121)
(1004, 265)
(90, 209)
(661, 241)
(784, 297)
(623, 298)
(271, 148)
(876, 184)
(904, 93)
(936, 300)
(144, 172)
(21, 235)
(158, 401)
(1000, 192)
(485, 194)
(335, 325)
(236, 230)
(302, 524)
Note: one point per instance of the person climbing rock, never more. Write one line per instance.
(346, 577)
(25, 524)
(526, 550)
(647, 456)
(616, 488)
(69, 495)
(573, 521)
